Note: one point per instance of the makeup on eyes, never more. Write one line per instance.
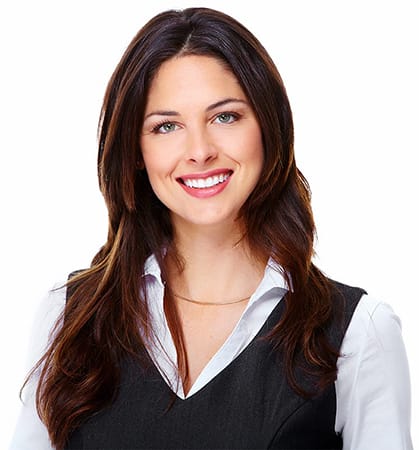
(232, 117)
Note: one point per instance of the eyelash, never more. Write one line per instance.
(157, 127)
(234, 115)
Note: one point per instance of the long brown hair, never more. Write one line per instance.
(106, 316)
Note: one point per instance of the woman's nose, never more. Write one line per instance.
(200, 148)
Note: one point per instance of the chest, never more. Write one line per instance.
(249, 405)
(205, 329)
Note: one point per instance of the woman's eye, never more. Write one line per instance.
(226, 118)
(164, 128)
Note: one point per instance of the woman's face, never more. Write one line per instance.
(201, 142)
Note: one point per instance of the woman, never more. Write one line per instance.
(202, 322)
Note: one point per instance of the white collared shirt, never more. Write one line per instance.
(372, 387)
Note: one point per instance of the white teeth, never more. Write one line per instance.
(200, 183)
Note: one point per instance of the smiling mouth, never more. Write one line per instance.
(205, 183)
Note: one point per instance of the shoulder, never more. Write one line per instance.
(374, 321)
(49, 311)
(345, 295)
(345, 300)
(374, 331)
(52, 304)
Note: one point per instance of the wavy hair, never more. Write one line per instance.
(106, 317)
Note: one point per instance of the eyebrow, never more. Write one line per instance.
(207, 109)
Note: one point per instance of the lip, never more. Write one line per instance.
(209, 191)
(210, 173)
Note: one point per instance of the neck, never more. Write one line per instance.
(217, 265)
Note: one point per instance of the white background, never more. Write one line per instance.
(351, 71)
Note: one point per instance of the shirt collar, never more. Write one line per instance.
(275, 273)
(273, 276)
(152, 268)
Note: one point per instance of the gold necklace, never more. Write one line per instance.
(209, 303)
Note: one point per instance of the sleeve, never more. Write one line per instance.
(30, 432)
(373, 384)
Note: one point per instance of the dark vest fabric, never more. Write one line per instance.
(248, 405)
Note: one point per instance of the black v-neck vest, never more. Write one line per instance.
(248, 405)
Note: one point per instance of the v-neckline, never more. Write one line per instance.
(267, 324)
(161, 348)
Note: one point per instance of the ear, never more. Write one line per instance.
(140, 164)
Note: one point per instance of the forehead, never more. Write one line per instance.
(189, 79)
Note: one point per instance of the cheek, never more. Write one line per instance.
(255, 157)
(160, 156)
(252, 146)
(155, 161)
(156, 178)
(154, 170)
(159, 170)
